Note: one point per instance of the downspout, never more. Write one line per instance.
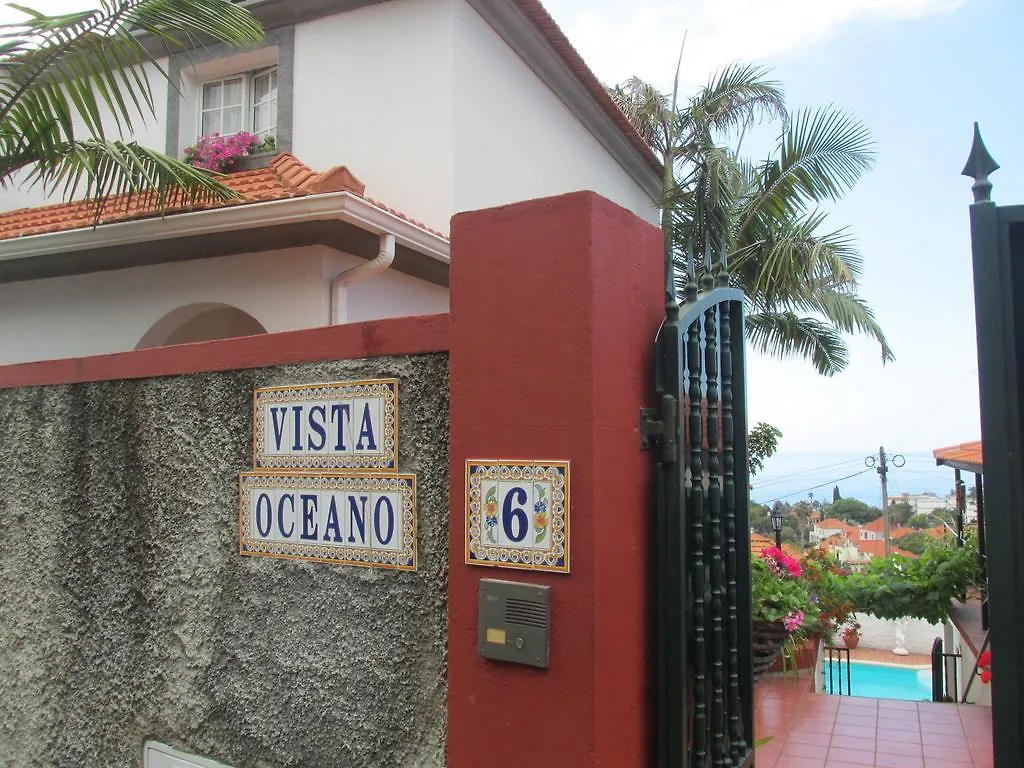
(339, 285)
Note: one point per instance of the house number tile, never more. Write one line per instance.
(517, 514)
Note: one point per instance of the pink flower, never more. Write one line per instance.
(793, 620)
(215, 152)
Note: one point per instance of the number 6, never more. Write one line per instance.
(510, 513)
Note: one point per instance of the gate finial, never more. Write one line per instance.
(690, 291)
(707, 282)
(722, 281)
(979, 165)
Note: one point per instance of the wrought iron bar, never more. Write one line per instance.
(835, 664)
(695, 510)
(672, 715)
(717, 565)
(738, 746)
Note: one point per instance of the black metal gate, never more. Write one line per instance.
(705, 674)
(997, 243)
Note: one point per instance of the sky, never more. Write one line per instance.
(918, 73)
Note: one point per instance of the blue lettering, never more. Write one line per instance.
(384, 500)
(339, 413)
(280, 516)
(297, 434)
(510, 514)
(317, 427)
(263, 505)
(309, 503)
(278, 424)
(332, 521)
(356, 518)
(366, 430)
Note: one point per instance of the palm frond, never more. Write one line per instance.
(786, 334)
(848, 312)
(645, 108)
(735, 97)
(100, 169)
(62, 77)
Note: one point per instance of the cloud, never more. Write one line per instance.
(618, 41)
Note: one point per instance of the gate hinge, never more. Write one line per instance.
(659, 426)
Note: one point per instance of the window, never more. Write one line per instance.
(264, 103)
(244, 102)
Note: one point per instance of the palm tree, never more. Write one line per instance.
(60, 76)
(800, 282)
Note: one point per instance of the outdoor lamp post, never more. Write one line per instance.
(777, 518)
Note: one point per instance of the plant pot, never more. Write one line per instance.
(769, 637)
(250, 162)
(851, 640)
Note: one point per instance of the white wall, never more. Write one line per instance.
(373, 91)
(881, 633)
(392, 292)
(111, 311)
(514, 139)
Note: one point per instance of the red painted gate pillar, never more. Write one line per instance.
(555, 304)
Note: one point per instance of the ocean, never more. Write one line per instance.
(791, 475)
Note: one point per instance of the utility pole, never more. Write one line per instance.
(883, 475)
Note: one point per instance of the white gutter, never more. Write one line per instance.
(340, 284)
(343, 206)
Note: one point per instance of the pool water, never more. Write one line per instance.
(880, 681)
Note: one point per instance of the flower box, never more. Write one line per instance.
(250, 162)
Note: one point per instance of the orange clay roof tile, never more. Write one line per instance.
(286, 177)
(966, 453)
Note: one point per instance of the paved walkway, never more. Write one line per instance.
(812, 730)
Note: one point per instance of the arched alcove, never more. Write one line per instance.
(200, 322)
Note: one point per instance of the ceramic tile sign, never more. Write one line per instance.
(353, 518)
(517, 514)
(349, 425)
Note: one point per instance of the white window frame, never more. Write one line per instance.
(248, 100)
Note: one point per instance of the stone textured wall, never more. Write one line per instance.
(127, 614)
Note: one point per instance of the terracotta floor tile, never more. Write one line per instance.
(861, 723)
(898, 761)
(899, 716)
(821, 738)
(817, 731)
(800, 762)
(952, 754)
(896, 704)
(904, 735)
(792, 749)
(898, 748)
(854, 756)
(943, 739)
(852, 742)
(855, 729)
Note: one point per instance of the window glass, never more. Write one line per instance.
(223, 106)
(264, 103)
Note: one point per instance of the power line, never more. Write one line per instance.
(793, 475)
(816, 487)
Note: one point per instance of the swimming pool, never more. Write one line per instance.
(880, 681)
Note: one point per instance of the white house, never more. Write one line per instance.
(430, 107)
(829, 527)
